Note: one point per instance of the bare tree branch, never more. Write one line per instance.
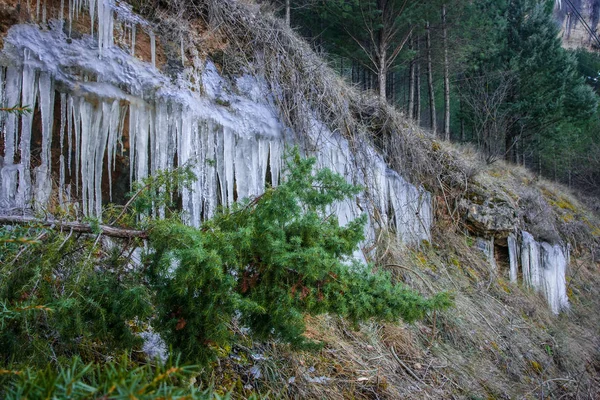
(80, 227)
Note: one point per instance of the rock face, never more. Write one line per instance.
(489, 215)
(543, 262)
(574, 32)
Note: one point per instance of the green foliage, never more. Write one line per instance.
(588, 65)
(547, 109)
(62, 295)
(113, 380)
(267, 263)
(68, 299)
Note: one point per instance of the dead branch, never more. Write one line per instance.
(80, 227)
(406, 368)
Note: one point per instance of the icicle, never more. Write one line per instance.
(513, 257)
(44, 20)
(544, 269)
(208, 156)
(141, 143)
(153, 47)
(69, 132)
(113, 137)
(2, 99)
(92, 9)
(491, 256)
(133, 117)
(263, 164)
(14, 78)
(554, 271)
(61, 15)
(100, 148)
(121, 130)
(86, 116)
(133, 34)
(77, 124)
(9, 172)
(184, 152)
(37, 11)
(29, 94)
(63, 120)
(530, 260)
(229, 156)
(71, 16)
(43, 183)
(108, 22)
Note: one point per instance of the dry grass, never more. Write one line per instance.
(500, 340)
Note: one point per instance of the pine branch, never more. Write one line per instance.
(80, 227)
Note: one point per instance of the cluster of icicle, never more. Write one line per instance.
(544, 268)
(103, 14)
(106, 97)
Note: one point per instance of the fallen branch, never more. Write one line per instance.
(414, 272)
(406, 368)
(80, 227)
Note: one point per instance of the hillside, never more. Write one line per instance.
(119, 92)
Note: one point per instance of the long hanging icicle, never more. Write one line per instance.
(29, 95)
(43, 183)
(133, 33)
(92, 10)
(10, 172)
(61, 13)
(113, 139)
(63, 121)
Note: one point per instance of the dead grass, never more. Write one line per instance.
(500, 340)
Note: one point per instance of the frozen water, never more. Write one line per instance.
(513, 257)
(544, 269)
(232, 135)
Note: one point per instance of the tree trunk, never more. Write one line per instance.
(446, 79)
(418, 88)
(411, 84)
(382, 76)
(433, 124)
(288, 12)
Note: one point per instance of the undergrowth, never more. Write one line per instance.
(259, 267)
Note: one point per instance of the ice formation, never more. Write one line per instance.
(105, 98)
(513, 257)
(544, 269)
(487, 248)
(543, 266)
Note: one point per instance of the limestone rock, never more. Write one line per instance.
(489, 214)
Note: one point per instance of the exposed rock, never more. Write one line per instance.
(489, 214)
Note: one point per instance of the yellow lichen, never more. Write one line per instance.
(536, 367)
(502, 283)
